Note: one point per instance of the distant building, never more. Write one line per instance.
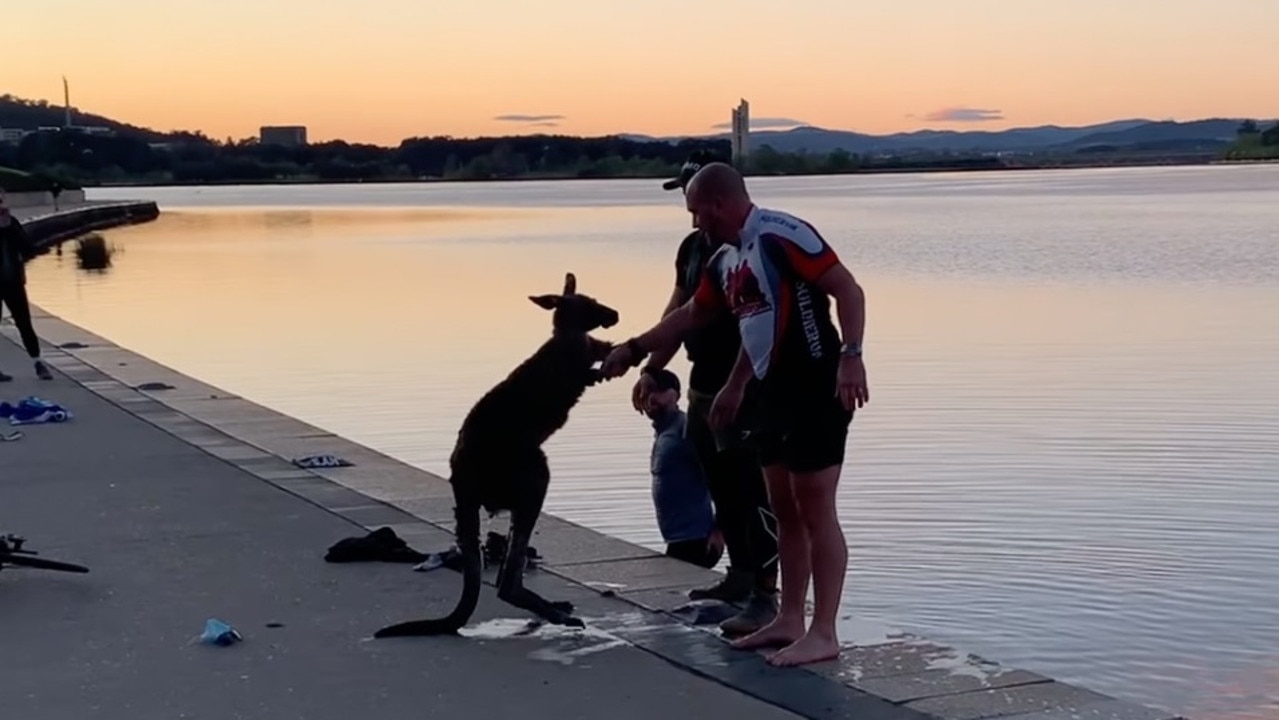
(286, 135)
(91, 129)
(12, 136)
(741, 131)
(82, 129)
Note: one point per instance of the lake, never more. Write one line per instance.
(1070, 462)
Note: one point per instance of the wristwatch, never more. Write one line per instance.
(850, 350)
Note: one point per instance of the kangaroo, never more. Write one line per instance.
(498, 463)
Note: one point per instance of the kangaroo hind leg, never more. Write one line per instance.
(534, 480)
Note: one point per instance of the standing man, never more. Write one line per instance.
(777, 275)
(742, 512)
(15, 251)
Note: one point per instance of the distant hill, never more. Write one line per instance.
(30, 114)
(1133, 134)
(821, 140)
(1195, 135)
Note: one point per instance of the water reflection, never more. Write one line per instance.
(285, 220)
(93, 253)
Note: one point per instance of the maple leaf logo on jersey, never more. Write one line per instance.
(741, 287)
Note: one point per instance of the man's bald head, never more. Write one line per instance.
(718, 201)
(719, 181)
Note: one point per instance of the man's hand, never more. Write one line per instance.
(621, 359)
(644, 387)
(728, 401)
(715, 543)
(850, 383)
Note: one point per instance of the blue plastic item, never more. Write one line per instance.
(217, 632)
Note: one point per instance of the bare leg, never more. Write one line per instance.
(815, 495)
(792, 546)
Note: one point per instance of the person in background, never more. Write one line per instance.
(685, 516)
(15, 250)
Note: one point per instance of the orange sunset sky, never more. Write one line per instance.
(381, 70)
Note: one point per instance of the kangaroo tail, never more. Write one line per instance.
(467, 515)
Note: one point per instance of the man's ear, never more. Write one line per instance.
(547, 302)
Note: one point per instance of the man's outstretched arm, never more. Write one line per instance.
(660, 357)
(691, 315)
(672, 328)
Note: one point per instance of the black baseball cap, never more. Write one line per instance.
(690, 167)
(664, 379)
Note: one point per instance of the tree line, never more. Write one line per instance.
(1253, 143)
(77, 157)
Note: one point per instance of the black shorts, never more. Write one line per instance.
(804, 430)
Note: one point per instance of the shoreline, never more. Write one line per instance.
(905, 676)
(901, 170)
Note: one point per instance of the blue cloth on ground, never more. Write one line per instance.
(34, 411)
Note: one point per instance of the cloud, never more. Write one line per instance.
(545, 124)
(964, 114)
(521, 118)
(764, 123)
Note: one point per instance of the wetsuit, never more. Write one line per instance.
(732, 471)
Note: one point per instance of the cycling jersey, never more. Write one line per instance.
(768, 280)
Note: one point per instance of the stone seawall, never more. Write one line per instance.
(47, 227)
(42, 199)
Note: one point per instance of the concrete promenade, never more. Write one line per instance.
(181, 499)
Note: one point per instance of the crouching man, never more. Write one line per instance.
(681, 500)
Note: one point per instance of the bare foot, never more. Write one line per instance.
(808, 649)
(781, 631)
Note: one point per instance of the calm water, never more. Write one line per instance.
(1070, 463)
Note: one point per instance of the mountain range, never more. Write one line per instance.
(1207, 135)
(1130, 135)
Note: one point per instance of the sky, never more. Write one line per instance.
(381, 70)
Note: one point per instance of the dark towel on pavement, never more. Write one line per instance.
(381, 545)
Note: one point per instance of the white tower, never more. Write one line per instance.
(66, 103)
(741, 132)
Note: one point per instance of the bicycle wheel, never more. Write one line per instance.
(42, 564)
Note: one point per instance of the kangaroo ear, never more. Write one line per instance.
(547, 302)
(570, 284)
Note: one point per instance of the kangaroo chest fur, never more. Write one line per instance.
(503, 433)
